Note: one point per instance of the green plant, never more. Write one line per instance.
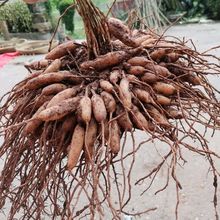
(17, 16)
(196, 8)
(193, 8)
(172, 5)
(49, 7)
(68, 18)
(213, 9)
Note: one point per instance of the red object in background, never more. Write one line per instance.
(7, 57)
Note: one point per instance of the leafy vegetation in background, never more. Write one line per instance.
(68, 18)
(213, 9)
(193, 8)
(17, 16)
(171, 6)
(52, 8)
(61, 5)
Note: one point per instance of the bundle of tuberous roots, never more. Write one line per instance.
(65, 125)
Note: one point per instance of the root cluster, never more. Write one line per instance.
(65, 125)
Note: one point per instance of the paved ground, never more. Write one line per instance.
(197, 193)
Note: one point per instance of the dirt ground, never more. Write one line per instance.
(197, 194)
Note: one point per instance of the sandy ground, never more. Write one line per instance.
(197, 194)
